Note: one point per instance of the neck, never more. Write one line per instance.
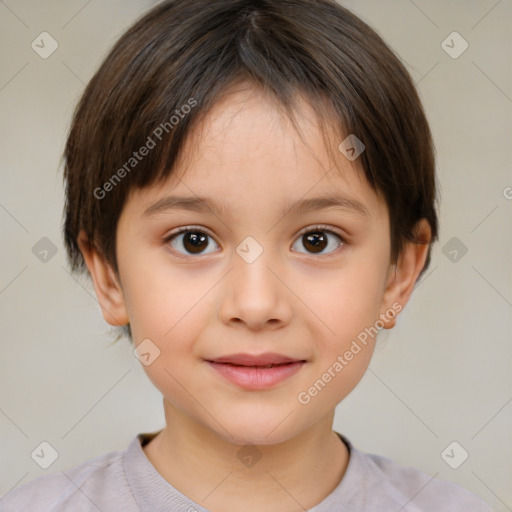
(296, 474)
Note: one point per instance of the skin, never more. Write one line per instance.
(290, 300)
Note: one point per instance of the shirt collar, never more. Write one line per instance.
(152, 492)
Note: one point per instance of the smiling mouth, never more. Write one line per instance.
(260, 366)
(256, 377)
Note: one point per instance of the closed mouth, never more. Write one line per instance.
(258, 365)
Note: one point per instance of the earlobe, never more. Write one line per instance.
(106, 283)
(403, 275)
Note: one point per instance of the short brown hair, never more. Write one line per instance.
(180, 57)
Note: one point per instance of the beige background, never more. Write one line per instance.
(443, 375)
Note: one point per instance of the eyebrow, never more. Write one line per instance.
(205, 205)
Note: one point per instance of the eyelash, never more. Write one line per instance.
(314, 229)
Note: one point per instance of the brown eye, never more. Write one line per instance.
(194, 242)
(318, 239)
(316, 242)
(189, 241)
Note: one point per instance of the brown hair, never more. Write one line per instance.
(167, 71)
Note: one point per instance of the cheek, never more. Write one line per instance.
(346, 300)
(345, 337)
(160, 295)
(170, 311)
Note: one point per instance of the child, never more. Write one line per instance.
(286, 145)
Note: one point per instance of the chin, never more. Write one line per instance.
(259, 431)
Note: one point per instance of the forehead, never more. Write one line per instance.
(247, 152)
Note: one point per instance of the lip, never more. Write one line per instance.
(247, 371)
(255, 360)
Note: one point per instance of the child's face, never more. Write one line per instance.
(296, 299)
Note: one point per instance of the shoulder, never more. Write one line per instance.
(388, 482)
(96, 484)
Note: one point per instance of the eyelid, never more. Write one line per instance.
(177, 231)
(307, 229)
(322, 227)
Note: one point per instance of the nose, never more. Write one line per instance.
(255, 295)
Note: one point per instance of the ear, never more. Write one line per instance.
(403, 275)
(106, 283)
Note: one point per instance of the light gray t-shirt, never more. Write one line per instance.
(126, 481)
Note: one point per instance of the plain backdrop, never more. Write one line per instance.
(443, 375)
